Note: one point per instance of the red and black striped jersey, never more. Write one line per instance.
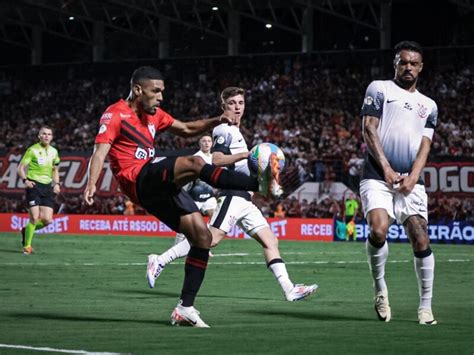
(131, 140)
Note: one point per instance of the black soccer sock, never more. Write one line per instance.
(375, 244)
(227, 179)
(194, 271)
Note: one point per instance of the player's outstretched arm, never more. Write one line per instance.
(221, 159)
(96, 164)
(194, 128)
(372, 140)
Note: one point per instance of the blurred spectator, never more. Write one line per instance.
(304, 104)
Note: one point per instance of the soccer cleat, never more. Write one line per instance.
(300, 292)
(187, 316)
(382, 307)
(27, 250)
(270, 180)
(23, 236)
(425, 317)
(154, 268)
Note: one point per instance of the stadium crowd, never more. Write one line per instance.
(301, 103)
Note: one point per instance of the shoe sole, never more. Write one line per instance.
(383, 319)
(150, 276)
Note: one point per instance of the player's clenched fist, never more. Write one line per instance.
(89, 194)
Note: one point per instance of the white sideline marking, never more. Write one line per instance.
(241, 262)
(56, 350)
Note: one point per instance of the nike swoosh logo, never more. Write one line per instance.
(240, 140)
(124, 116)
(390, 101)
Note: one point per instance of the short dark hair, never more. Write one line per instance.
(45, 127)
(230, 92)
(409, 46)
(145, 73)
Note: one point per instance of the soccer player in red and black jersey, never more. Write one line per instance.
(126, 134)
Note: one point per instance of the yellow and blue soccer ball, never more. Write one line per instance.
(259, 158)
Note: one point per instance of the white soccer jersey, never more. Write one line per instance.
(198, 189)
(234, 206)
(207, 157)
(229, 140)
(405, 117)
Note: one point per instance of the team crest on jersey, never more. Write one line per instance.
(151, 128)
(102, 128)
(422, 111)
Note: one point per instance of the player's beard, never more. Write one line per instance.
(150, 110)
(406, 83)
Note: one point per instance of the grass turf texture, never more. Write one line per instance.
(90, 293)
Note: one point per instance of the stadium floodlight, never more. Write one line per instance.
(268, 25)
(71, 18)
(215, 8)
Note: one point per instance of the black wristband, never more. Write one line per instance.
(24, 180)
(57, 183)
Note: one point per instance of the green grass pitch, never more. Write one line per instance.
(89, 294)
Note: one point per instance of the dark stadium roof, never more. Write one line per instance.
(46, 31)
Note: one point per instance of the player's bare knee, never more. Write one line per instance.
(197, 163)
(417, 230)
(47, 221)
(201, 238)
(378, 233)
(34, 220)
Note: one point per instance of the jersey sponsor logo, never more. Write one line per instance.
(422, 111)
(102, 128)
(408, 106)
(106, 117)
(144, 153)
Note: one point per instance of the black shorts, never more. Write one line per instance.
(158, 194)
(40, 195)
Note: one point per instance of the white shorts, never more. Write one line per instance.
(377, 194)
(232, 210)
(209, 204)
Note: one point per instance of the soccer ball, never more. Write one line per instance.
(259, 158)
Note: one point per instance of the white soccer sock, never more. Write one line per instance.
(179, 238)
(424, 268)
(279, 270)
(177, 251)
(377, 257)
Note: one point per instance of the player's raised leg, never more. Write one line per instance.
(377, 254)
(190, 168)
